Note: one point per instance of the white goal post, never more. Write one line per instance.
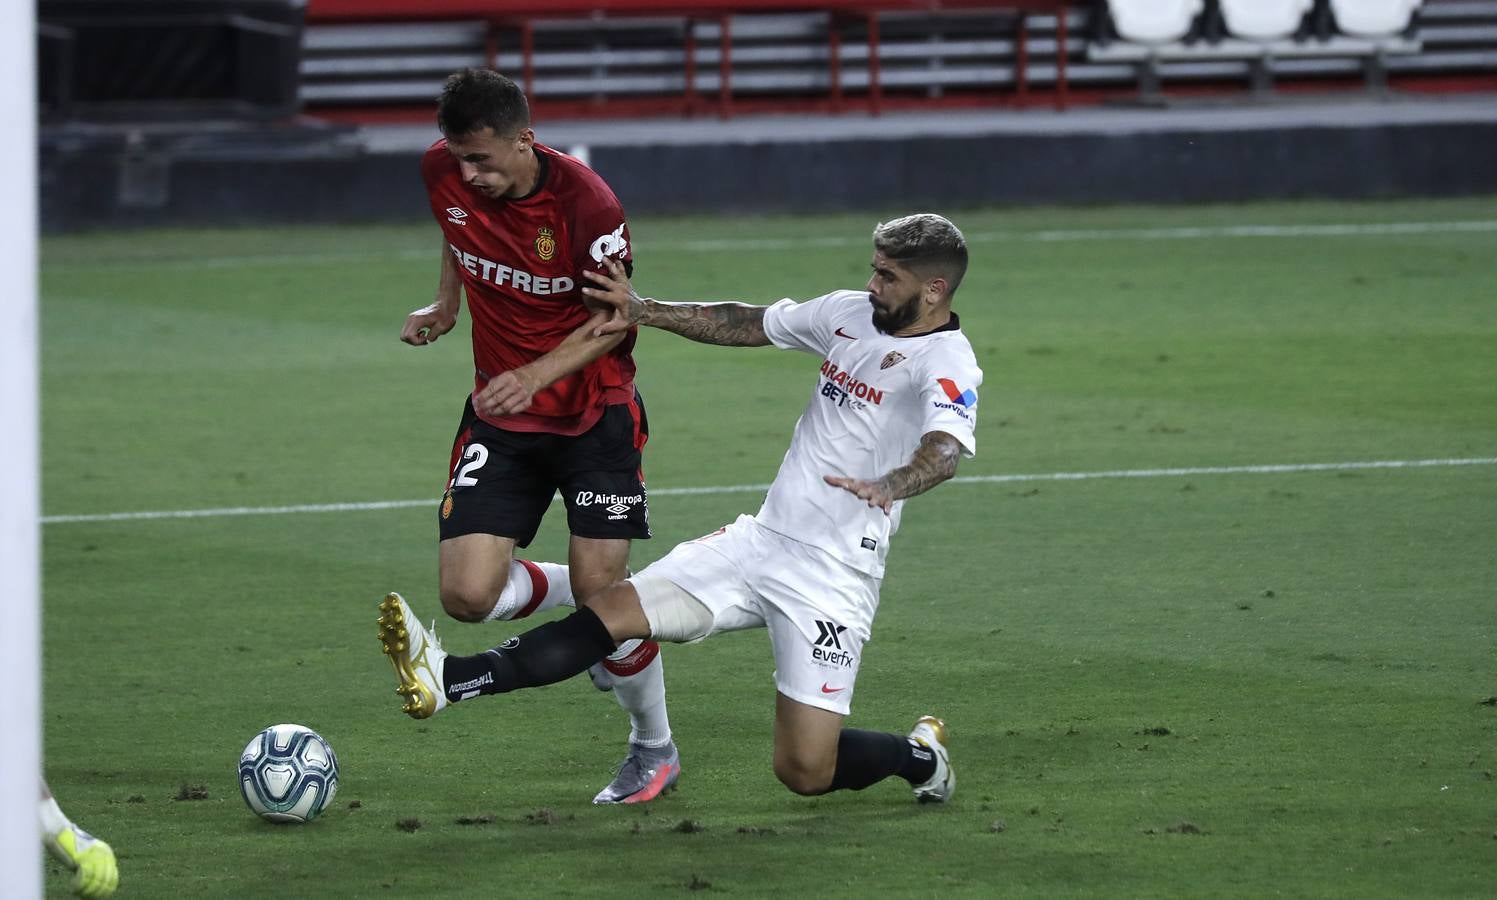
(20, 469)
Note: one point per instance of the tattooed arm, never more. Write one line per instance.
(934, 462)
(729, 324)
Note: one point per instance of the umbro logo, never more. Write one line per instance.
(827, 634)
(456, 215)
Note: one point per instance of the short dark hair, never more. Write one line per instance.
(474, 99)
(926, 244)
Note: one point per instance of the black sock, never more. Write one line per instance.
(553, 652)
(868, 757)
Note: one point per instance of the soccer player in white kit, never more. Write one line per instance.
(893, 409)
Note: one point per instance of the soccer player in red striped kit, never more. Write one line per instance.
(553, 407)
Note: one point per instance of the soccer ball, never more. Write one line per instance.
(288, 773)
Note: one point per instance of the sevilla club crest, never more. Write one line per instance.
(892, 358)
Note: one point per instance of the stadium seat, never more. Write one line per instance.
(1373, 18)
(1264, 20)
(1153, 21)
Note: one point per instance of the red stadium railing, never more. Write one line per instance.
(521, 16)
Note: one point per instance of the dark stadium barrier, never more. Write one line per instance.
(111, 60)
(189, 184)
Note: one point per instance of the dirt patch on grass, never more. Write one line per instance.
(1181, 827)
(192, 792)
(484, 819)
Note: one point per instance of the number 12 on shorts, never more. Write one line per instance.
(473, 458)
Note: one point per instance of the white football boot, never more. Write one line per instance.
(931, 732)
(417, 656)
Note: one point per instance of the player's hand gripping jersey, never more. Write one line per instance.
(522, 261)
(876, 396)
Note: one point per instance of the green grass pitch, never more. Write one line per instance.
(1210, 684)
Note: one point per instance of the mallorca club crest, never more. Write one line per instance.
(891, 359)
(447, 505)
(545, 244)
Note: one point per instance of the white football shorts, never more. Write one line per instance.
(819, 611)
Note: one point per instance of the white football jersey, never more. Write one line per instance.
(875, 397)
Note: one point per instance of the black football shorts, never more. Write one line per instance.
(502, 482)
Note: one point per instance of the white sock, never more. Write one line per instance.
(53, 821)
(530, 588)
(639, 684)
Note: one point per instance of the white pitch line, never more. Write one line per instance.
(706, 245)
(1236, 470)
(1127, 234)
(224, 512)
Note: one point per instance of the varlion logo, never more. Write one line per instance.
(956, 394)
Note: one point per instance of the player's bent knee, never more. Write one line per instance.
(673, 614)
(467, 602)
(808, 781)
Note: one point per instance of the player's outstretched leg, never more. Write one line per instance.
(930, 732)
(429, 679)
(417, 656)
(92, 860)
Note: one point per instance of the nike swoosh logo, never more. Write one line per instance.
(840, 333)
(831, 690)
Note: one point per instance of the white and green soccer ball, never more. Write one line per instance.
(288, 773)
